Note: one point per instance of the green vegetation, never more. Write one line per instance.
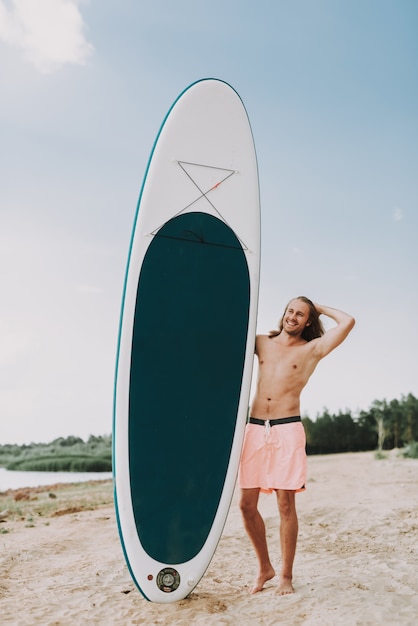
(70, 454)
(411, 450)
(386, 425)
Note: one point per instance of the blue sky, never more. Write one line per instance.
(331, 90)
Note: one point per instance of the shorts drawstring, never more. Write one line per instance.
(267, 429)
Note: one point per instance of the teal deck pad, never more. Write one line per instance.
(188, 350)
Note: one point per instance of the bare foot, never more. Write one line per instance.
(262, 578)
(285, 587)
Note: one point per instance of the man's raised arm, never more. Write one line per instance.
(336, 335)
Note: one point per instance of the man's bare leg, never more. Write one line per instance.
(288, 539)
(255, 527)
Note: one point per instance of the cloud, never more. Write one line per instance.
(397, 214)
(50, 33)
(14, 344)
(89, 289)
(351, 278)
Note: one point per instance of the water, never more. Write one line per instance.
(16, 480)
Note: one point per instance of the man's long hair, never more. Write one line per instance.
(315, 328)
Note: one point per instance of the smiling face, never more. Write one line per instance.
(296, 317)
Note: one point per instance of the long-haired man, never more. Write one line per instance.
(274, 456)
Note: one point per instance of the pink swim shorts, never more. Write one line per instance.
(273, 457)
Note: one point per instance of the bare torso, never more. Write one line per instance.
(284, 369)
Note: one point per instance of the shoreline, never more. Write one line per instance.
(16, 479)
(355, 563)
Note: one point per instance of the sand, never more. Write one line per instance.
(356, 563)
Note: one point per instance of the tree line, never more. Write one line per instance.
(386, 425)
(65, 454)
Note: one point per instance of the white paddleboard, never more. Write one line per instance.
(186, 342)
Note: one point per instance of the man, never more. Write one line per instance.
(273, 456)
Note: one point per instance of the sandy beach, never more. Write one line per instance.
(356, 562)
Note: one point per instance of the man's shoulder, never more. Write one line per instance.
(260, 343)
(262, 337)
